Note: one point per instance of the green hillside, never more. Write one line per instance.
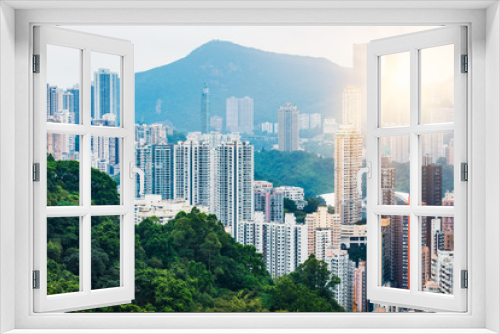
(299, 169)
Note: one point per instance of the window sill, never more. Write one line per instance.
(252, 331)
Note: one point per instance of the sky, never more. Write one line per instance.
(159, 45)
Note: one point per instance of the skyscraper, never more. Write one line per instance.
(52, 100)
(233, 182)
(239, 114)
(205, 110)
(106, 94)
(288, 136)
(348, 160)
(75, 107)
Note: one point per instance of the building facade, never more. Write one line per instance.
(288, 130)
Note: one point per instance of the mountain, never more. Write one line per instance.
(172, 93)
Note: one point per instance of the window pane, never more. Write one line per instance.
(105, 89)
(395, 170)
(437, 254)
(63, 169)
(63, 84)
(63, 259)
(437, 84)
(395, 252)
(105, 252)
(395, 89)
(437, 167)
(106, 166)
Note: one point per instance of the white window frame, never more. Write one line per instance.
(484, 50)
(85, 43)
(412, 44)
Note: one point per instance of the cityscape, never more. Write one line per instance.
(213, 171)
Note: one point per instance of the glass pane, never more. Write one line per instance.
(394, 170)
(437, 84)
(63, 169)
(437, 254)
(105, 256)
(105, 89)
(63, 84)
(437, 167)
(106, 166)
(395, 252)
(63, 259)
(395, 90)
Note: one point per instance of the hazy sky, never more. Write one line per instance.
(160, 45)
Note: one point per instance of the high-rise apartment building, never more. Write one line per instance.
(351, 107)
(288, 134)
(193, 170)
(348, 161)
(233, 183)
(360, 301)
(106, 94)
(205, 110)
(340, 266)
(317, 223)
(75, 102)
(282, 245)
(239, 114)
(157, 162)
(270, 202)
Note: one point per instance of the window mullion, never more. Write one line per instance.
(85, 256)
(413, 223)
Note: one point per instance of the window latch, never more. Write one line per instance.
(36, 279)
(368, 171)
(133, 170)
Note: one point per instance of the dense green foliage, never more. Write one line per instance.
(299, 168)
(187, 265)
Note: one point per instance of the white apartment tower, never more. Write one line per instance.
(239, 114)
(340, 265)
(233, 186)
(192, 170)
(283, 245)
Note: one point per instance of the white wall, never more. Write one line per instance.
(492, 164)
(7, 160)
